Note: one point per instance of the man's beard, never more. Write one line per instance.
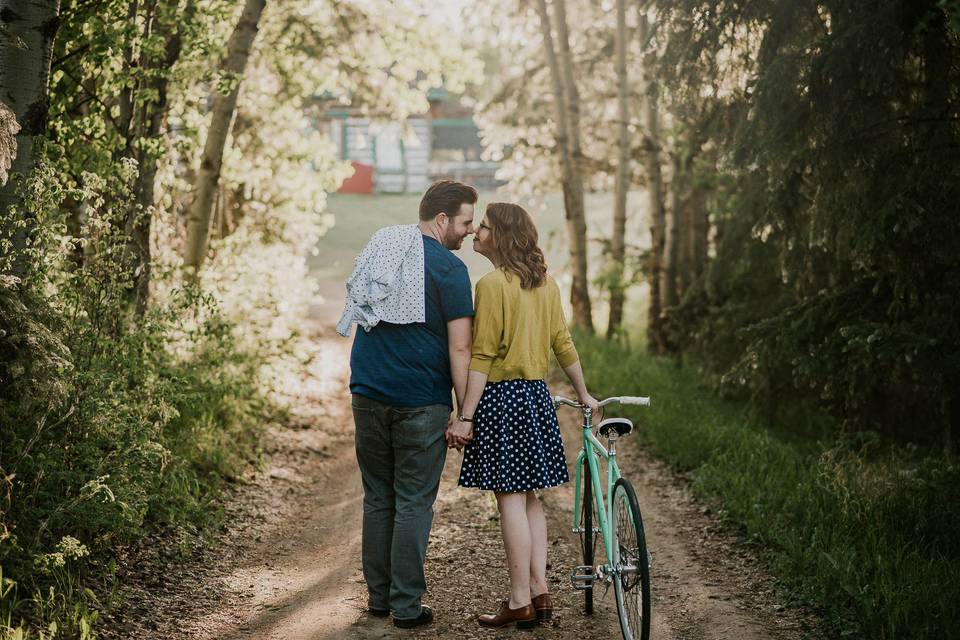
(449, 240)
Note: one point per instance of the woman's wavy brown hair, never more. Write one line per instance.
(514, 241)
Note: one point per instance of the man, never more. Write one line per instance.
(405, 358)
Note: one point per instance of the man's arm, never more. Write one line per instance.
(460, 345)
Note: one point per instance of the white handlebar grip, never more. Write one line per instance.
(641, 400)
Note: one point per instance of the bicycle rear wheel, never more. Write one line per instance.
(588, 538)
(632, 580)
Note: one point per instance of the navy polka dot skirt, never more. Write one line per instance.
(516, 442)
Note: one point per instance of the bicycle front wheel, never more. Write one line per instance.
(632, 566)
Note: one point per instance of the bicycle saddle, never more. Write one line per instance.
(622, 426)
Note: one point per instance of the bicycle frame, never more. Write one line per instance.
(592, 451)
(624, 576)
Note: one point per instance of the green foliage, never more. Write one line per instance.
(868, 534)
(835, 280)
(110, 423)
(126, 399)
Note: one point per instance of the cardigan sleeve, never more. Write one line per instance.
(561, 342)
(487, 325)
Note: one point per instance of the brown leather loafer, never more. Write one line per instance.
(543, 605)
(524, 617)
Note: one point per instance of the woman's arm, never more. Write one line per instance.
(462, 432)
(566, 352)
(487, 335)
(575, 373)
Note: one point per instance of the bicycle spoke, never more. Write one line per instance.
(632, 577)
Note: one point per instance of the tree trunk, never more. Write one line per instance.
(937, 102)
(125, 99)
(150, 123)
(693, 254)
(575, 208)
(571, 157)
(27, 30)
(208, 177)
(651, 142)
(617, 239)
(685, 246)
(698, 228)
(671, 243)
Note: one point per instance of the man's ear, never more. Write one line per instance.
(445, 217)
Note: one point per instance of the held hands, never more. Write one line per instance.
(458, 434)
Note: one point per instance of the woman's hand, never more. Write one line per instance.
(588, 400)
(459, 434)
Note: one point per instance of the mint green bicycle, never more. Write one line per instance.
(627, 563)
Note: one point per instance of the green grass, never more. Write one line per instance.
(872, 539)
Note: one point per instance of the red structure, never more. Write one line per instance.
(361, 181)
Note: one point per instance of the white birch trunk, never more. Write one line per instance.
(573, 197)
(24, 75)
(651, 124)
(208, 176)
(567, 99)
(617, 239)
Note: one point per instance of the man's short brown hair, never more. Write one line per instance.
(446, 196)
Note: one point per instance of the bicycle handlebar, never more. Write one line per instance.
(638, 400)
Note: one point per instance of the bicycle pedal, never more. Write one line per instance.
(582, 577)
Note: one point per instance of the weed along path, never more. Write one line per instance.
(287, 563)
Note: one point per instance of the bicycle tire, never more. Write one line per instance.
(587, 537)
(630, 548)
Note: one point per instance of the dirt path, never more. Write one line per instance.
(286, 566)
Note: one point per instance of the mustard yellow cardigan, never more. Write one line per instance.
(514, 329)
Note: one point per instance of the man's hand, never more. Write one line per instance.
(459, 434)
(446, 432)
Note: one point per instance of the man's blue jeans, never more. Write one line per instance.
(401, 451)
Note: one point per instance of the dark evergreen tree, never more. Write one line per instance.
(835, 278)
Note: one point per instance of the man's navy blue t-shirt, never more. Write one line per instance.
(408, 365)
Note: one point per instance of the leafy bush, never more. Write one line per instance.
(112, 421)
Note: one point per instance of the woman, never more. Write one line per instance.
(508, 423)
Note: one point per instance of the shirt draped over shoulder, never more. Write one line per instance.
(515, 329)
(408, 365)
(387, 283)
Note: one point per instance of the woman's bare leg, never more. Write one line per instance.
(538, 545)
(517, 544)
